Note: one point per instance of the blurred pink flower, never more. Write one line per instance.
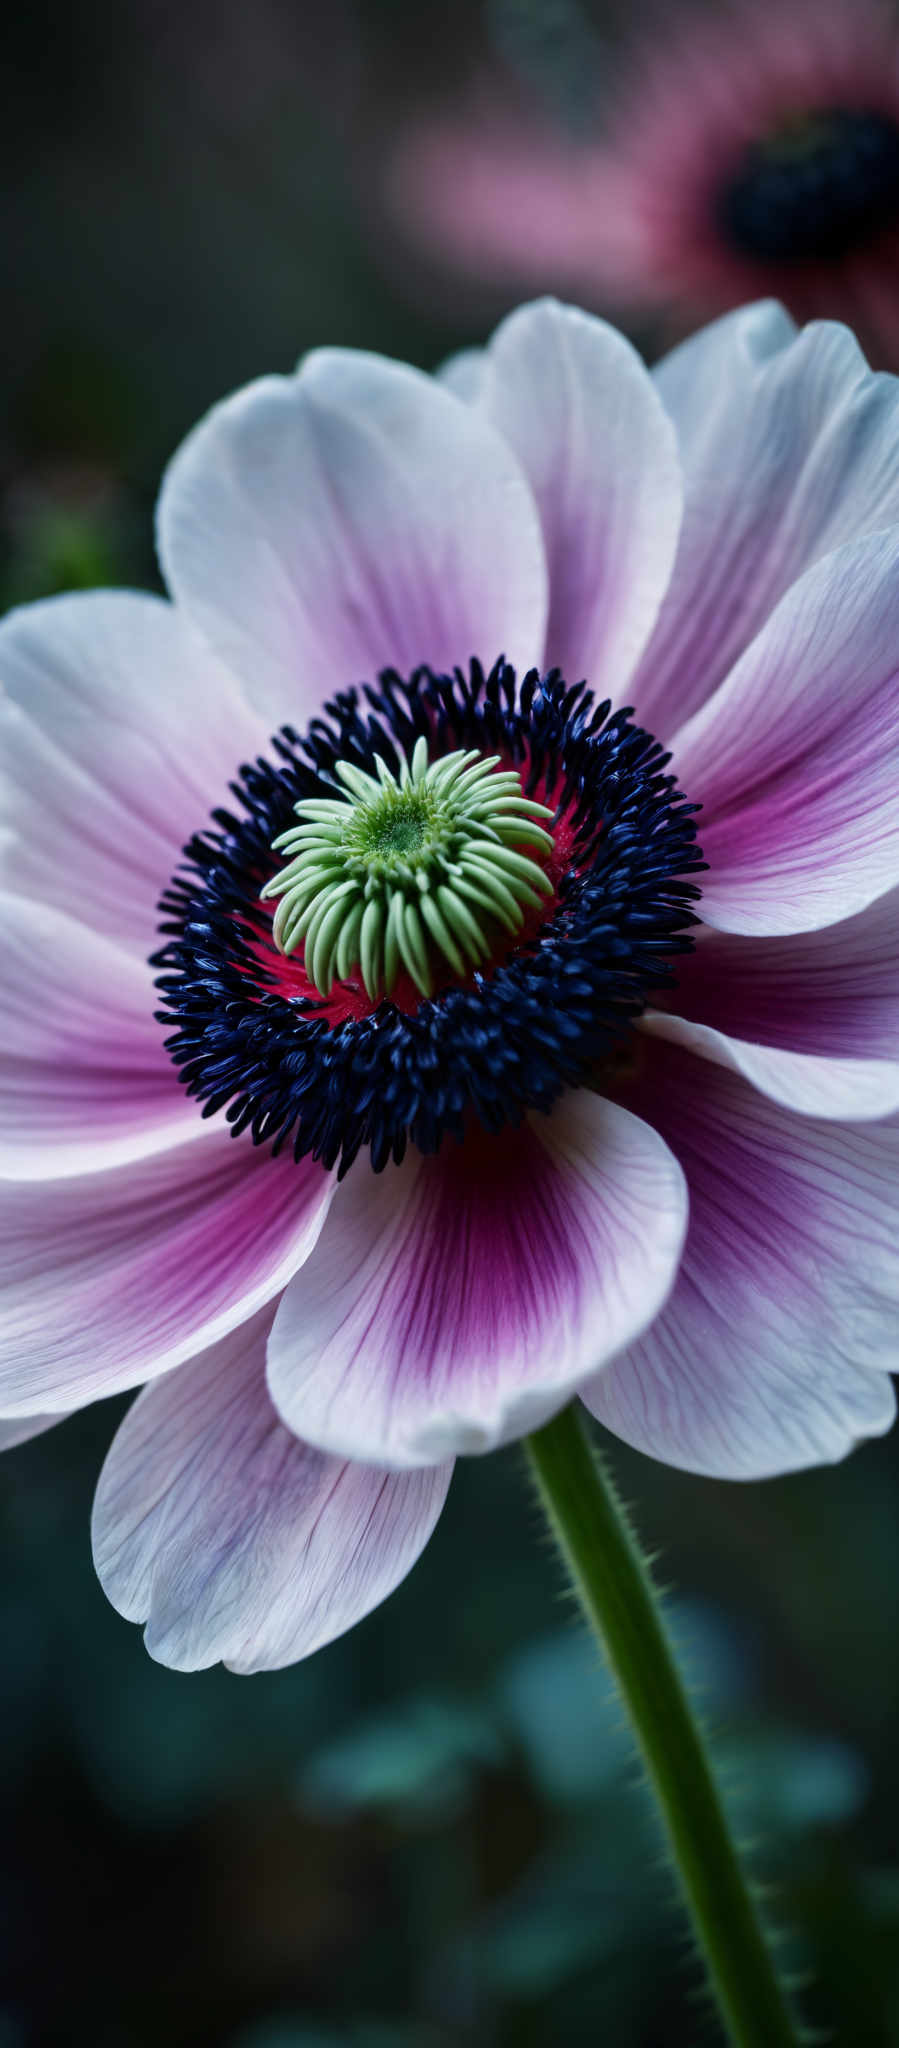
(692, 1223)
(490, 190)
(739, 151)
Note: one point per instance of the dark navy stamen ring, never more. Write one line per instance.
(250, 1034)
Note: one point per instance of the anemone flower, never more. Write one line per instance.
(444, 1122)
(741, 151)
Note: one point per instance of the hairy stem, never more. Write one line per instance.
(615, 1590)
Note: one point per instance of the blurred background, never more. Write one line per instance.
(434, 1832)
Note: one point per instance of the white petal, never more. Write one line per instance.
(465, 372)
(22, 1427)
(814, 1084)
(577, 405)
(230, 1538)
(322, 527)
(788, 443)
(118, 734)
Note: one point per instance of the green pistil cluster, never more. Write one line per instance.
(409, 866)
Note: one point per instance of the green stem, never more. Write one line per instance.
(618, 1598)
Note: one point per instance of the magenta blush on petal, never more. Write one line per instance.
(774, 1349)
(834, 991)
(107, 1279)
(456, 1301)
(796, 754)
(84, 1078)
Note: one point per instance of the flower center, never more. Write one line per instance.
(818, 186)
(404, 866)
(411, 819)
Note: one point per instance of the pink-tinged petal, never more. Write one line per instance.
(85, 1082)
(109, 1279)
(322, 527)
(813, 1084)
(579, 408)
(24, 1427)
(787, 447)
(795, 758)
(773, 1350)
(454, 1302)
(118, 733)
(230, 1538)
(834, 991)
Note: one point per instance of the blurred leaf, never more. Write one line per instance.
(785, 1783)
(880, 1890)
(423, 1758)
(565, 1713)
(564, 1709)
(569, 1945)
(69, 526)
(579, 1905)
(60, 551)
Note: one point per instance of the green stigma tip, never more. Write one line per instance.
(409, 867)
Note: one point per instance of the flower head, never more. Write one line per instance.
(760, 152)
(740, 151)
(385, 1062)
